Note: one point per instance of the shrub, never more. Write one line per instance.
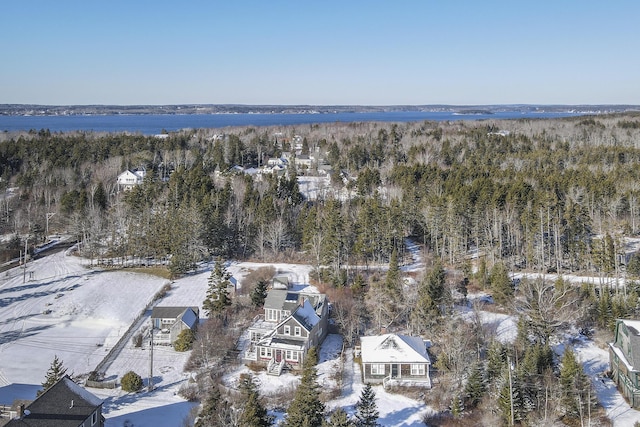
(185, 339)
(131, 382)
(137, 340)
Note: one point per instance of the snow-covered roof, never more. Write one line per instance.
(393, 348)
(61, 405)
(306, 315)
(633, 325)
(189, 318)
(631, 354)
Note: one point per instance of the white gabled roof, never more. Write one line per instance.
(389, 348)
(306, 315)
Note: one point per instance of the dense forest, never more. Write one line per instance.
(535, 194)
(482, 198)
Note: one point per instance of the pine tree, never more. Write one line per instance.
(457, 406)
(306, 409)
(366, 409)
(217, 294)
(338, 418)
(475, 387)
(576, 397)
(509, 392)
(209, 408)
(55, 372)
(500, 284)
(259, 293)
(496, 356)
(254, 413)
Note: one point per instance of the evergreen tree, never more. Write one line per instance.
(209, 407)
(500, 284)
(457, 406)
(254, 414)
(338, 418)
(366, 409)
(496, 356)
(55, 372)
(259, 293)
(131, 382)
(185, 340)
(217, 294)
(431, 298)
(306, 409)
(392, 288)
(511, 393)
(576, 398)
(475, 387)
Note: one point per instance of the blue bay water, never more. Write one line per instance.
(150, 124)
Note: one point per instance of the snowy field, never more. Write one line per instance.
(60, 307)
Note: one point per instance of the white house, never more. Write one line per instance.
(130, 178)
(395, 360)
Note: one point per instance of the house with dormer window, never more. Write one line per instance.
(395, 360)
(292, 323)
(624, 359)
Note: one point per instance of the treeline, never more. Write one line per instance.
(535, 194)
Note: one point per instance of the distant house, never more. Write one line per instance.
(280, 282)
(168, 322)
(624, 359)
(395, 360)
(304, 161)
(292, 323)
(65, 404)
(130, 178)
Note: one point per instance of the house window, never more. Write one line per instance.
(297, 331)
(294, 356)
(94, 418)
(272, 314)
(377, 369)
(287, 330)
(417, 369)
(265, 352)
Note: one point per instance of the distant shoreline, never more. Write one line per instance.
(209, 109)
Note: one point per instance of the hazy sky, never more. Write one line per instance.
(320, 52)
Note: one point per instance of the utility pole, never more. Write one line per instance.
(24, 266)
(510, 390)
(151, 358)
(49, 215)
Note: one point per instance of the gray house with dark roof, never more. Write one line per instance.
(64, 404)
(624, 359)
(168, 322)
(292, 323)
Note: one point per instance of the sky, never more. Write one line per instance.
(357, 52)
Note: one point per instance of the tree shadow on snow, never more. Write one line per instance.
(10, 336)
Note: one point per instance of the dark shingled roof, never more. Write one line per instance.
(65, 404)
(170, 312)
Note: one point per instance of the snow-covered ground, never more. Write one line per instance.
(60, 307)
(64, 308)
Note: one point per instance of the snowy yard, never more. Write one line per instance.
(78, 314)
